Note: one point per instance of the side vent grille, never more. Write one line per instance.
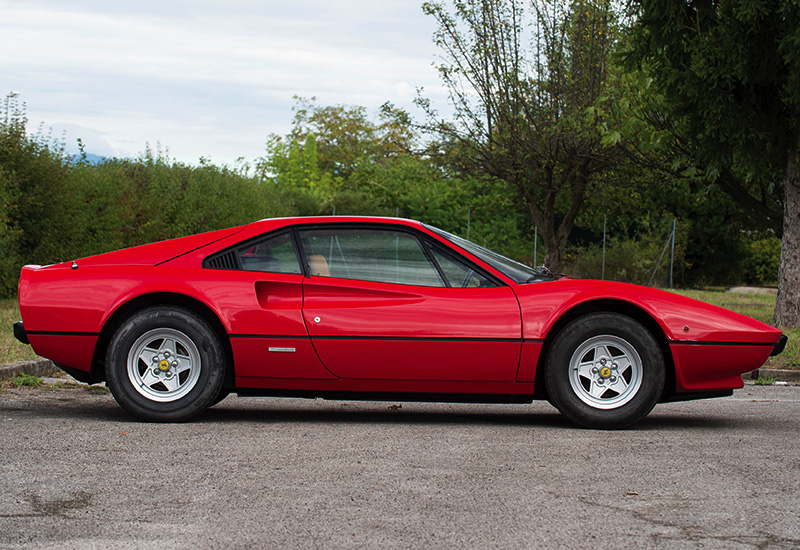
(225, 261)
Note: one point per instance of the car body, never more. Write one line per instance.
(378, 308)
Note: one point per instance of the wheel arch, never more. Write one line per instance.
(605, 306)
(160, 299)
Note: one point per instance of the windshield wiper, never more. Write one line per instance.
(543, 274)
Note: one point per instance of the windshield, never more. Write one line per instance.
(518, 272)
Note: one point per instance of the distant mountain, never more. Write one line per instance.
(90, 158)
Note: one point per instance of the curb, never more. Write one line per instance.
(34, 367)
(784, 375)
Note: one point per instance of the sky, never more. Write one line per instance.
(204, 78)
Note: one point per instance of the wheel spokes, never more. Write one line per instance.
(147, 356)
(171, 382)
(149, 379)
(585, 369)
(168, 345)
(596, 390)
(620, 385)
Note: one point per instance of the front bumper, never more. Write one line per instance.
(780, 345)
(20, 334)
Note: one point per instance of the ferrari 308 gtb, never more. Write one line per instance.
(374, 308)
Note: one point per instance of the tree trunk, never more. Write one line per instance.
(553, 257)
(787, 306)
(545, 223)
(555, 239)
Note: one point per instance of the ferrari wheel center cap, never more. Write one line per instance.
(163, 365)
(605, 372)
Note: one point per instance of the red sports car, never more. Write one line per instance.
(385, 309)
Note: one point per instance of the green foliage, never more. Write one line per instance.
(55, 210)
(628, 259)
(9, 236)
(659, 138)
(762, 258)
(765, 381)
(727, 70)
(523, 103)
(32, 172)
(296, 168)
(24, 380)
(730, 73)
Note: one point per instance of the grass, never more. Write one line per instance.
(765, 381)
(23, 380)
(96, 388)
(758, 306)
(28, 381)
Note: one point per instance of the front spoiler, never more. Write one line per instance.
(20, 334)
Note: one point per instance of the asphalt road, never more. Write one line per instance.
(77, 472)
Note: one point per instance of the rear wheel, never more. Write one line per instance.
(605, 370)
(165, 364)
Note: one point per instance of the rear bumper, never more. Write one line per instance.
(20, 334)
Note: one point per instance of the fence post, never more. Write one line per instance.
(658, 263)
(603, 272)
(672, 255)
(535, 245)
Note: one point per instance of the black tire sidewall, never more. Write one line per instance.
(577, 332)
(212, 369)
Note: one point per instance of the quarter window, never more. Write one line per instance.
(273, 254)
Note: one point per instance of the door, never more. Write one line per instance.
(382, 304)
(258, 286)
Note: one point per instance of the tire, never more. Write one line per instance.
(165, 364)
(605, 370)
(222, 395)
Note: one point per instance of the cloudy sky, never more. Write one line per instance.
(206, 78)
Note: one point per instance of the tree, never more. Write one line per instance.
(296, 169)
(730, 72)
(336, 157)
(661, 144)
(346, 139)
(520, 111)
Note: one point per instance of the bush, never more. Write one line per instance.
(54, 209)
(763, 256)
(627, 260)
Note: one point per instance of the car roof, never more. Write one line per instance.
(303, 220)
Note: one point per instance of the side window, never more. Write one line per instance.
(369, 255)
(274, 254)
(459, 275)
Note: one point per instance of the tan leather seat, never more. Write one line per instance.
(318, 265)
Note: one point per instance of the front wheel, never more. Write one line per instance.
(605, 370)
(165, 364)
